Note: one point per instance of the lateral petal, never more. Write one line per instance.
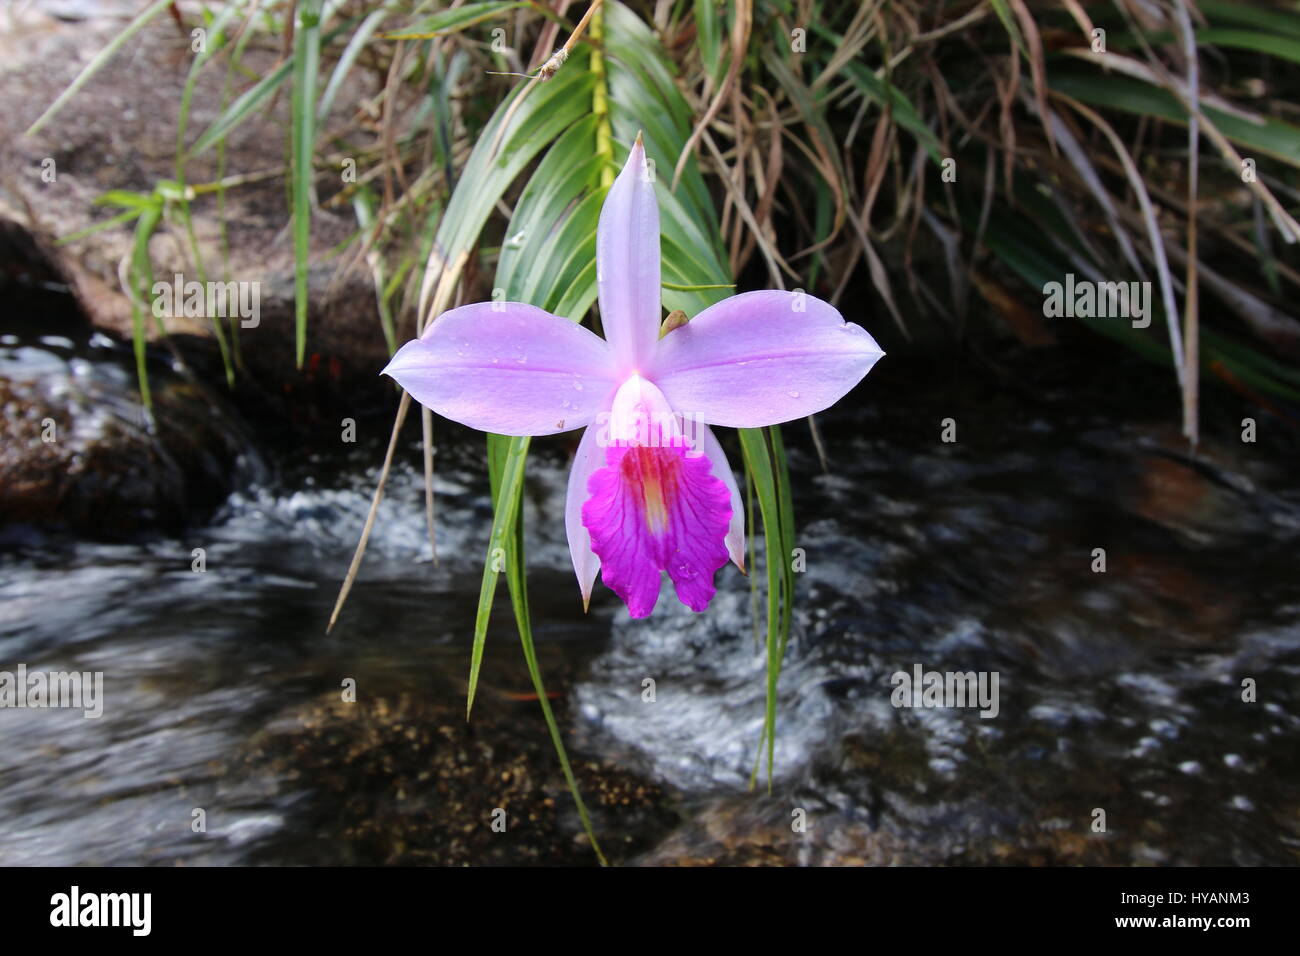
(761, 358)
(722, 470)
(508, 368)
(586, 460)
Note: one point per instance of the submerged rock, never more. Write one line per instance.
(406, 780)
(79, 450)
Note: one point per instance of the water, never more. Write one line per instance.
(1119, 691)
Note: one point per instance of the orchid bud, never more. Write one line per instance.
(676, 319)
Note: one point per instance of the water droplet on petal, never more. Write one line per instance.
(792, 393)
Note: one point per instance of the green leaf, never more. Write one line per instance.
(758, 465)
(306, 61)
(98, 61)
(1008, 19)
(900, 107)
(191, 80)
(507, 458)
(452, 21)
(248, 102)
(141, 278)
(1270, 19)
(99, 226)
(127, 199)
(549, 110)
(708, 33)
(516, 581)
(349, 56)
(1270, 44)
(243, 107)
(1270, 136)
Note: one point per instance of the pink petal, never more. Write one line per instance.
(627, 264)
(508, 368)
(655, 505)
(722, 469)
(656, 509)
(588, 458)
(761, 358)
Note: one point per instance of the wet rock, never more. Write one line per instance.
(119, 132)
(78, 448)
(747, 830)
(406, 780)
(79, 451)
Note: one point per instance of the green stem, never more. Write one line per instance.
(600, 100)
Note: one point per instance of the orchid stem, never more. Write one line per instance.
(600, 100)
(692, 288)
(545, 74)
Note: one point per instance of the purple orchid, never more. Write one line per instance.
(650, 489)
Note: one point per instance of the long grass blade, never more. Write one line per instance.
(97, 62)
(306, 65)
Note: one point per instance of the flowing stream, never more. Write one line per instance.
(225, 737)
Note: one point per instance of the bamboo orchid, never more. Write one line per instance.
(650, 489)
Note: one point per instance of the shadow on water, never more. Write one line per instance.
(1119, 691)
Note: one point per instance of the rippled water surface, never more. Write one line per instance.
(1119, 691)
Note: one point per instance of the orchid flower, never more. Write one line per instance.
(650, 489)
